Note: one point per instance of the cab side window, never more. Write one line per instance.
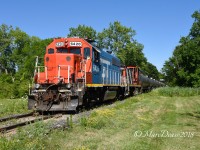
(86, 52)
(96, 56)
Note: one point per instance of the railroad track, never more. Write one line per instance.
(15, 116)
(28, 117)
(33, 117)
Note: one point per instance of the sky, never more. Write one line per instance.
(159, 24)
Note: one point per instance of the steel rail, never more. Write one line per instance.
(20, 124)
(15, 116)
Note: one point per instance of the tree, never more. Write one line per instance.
(168, 72)
(182, 68)
(195, 30)
(151, 70)
(132, 55)
(20, 40)
(6, 49)
(17, 59)
(82, 31)
(36, 47)
(115, 37)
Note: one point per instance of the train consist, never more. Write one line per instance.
(76, 73)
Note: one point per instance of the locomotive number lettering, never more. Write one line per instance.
(75, 44)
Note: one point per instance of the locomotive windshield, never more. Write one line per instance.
(75, 50)
(71, 50)
(62, 50)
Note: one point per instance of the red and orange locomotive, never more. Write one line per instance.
(75, 73)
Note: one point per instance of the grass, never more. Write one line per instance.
(155, 120)
(179, 91)
(12, 106)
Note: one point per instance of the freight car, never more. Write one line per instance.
(76, 73)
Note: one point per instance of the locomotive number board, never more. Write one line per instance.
(75, 44)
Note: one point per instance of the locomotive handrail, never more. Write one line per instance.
(68, 71)
(38, 71)
(85, 75)
(83, 71)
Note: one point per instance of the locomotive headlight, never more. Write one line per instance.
(68, 85)
(37, 86)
